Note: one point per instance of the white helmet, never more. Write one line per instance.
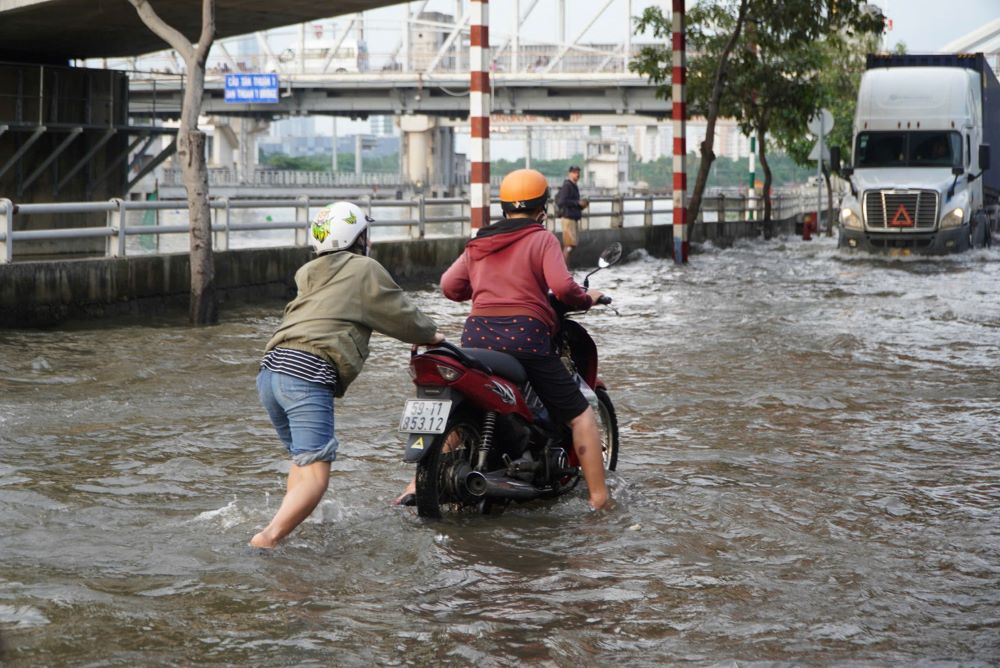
(337, 226)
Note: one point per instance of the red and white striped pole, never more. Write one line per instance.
(679, 112)
(479, 113)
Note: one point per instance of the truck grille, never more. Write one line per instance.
(901, 209)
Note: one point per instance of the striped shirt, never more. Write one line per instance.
(301, 365)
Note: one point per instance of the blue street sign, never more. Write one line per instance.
(250, 88)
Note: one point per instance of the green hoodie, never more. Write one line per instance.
(342, 298)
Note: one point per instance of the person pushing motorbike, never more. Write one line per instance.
(507, 270)
(319, 349)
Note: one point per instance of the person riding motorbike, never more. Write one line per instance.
(507, 270)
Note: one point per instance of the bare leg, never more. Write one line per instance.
(587, 443)
(306, 486)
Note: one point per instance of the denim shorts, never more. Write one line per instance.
(302, 414)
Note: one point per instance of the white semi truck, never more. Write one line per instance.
(921, 180)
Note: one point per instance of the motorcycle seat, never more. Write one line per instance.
(499, 363)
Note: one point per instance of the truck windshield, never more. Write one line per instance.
(908, 149)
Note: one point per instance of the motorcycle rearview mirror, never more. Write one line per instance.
(609, 256)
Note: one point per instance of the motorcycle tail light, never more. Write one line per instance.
(430, 371)
(450, 374)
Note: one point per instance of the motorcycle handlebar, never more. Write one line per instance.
(604, 300)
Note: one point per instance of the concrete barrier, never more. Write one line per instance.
(46, 293)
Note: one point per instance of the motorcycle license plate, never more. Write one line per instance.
(423, 416)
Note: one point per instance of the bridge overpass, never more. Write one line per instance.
(552, 95)
(427, 106)
(55, 31)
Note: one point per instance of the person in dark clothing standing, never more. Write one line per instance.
(569, 208)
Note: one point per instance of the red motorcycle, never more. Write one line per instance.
(482, 438)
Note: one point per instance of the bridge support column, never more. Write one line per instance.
(443, 154)
(234, 144)
(417, 145)
(651, 144)
(428, 153)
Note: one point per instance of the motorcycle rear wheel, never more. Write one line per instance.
(607, 427)
(442, 469)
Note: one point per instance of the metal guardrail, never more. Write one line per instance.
(117, 227)
(225, 176)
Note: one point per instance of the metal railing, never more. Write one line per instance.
(225, 176)
(414, 215)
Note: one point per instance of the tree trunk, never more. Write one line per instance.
(203, 308)
(766, 194)
(707, 152)
(830, 218)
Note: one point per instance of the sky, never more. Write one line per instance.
(927, 25)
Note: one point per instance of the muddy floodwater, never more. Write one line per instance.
(809, 475)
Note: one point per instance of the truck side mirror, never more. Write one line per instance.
(984, 157)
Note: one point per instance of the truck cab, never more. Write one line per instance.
(920, 179)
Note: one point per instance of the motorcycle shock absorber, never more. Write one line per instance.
(486, 442)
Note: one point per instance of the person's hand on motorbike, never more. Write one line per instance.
(595, 295)
(438, 338)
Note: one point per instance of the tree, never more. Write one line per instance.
(773, 80)
(778, 67)
(842, 62)
(753, 62)
(713, 29)
(203, 309)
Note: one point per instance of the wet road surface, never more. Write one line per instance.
(809, 475)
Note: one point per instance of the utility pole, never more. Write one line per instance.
(678, 113)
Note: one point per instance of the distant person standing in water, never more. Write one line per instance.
(569, 209)
(319, 349)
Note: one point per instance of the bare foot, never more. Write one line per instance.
(407, 498)
(599, 501)
(262, 540)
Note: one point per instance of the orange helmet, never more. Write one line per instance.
(523, 190)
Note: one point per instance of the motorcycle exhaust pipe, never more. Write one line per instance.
(496, 485)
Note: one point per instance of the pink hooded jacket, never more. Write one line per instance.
(508, 269)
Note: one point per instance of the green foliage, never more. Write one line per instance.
(308, 163)
(654, 61)
(321, 163)
(725, 172)
(552, 169)
(841, 64)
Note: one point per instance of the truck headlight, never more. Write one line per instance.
(850, 219)
(954, 218)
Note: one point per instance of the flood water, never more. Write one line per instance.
(809, 474)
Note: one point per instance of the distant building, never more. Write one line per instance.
(606, 165)
(382, 126)
(320, 145)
